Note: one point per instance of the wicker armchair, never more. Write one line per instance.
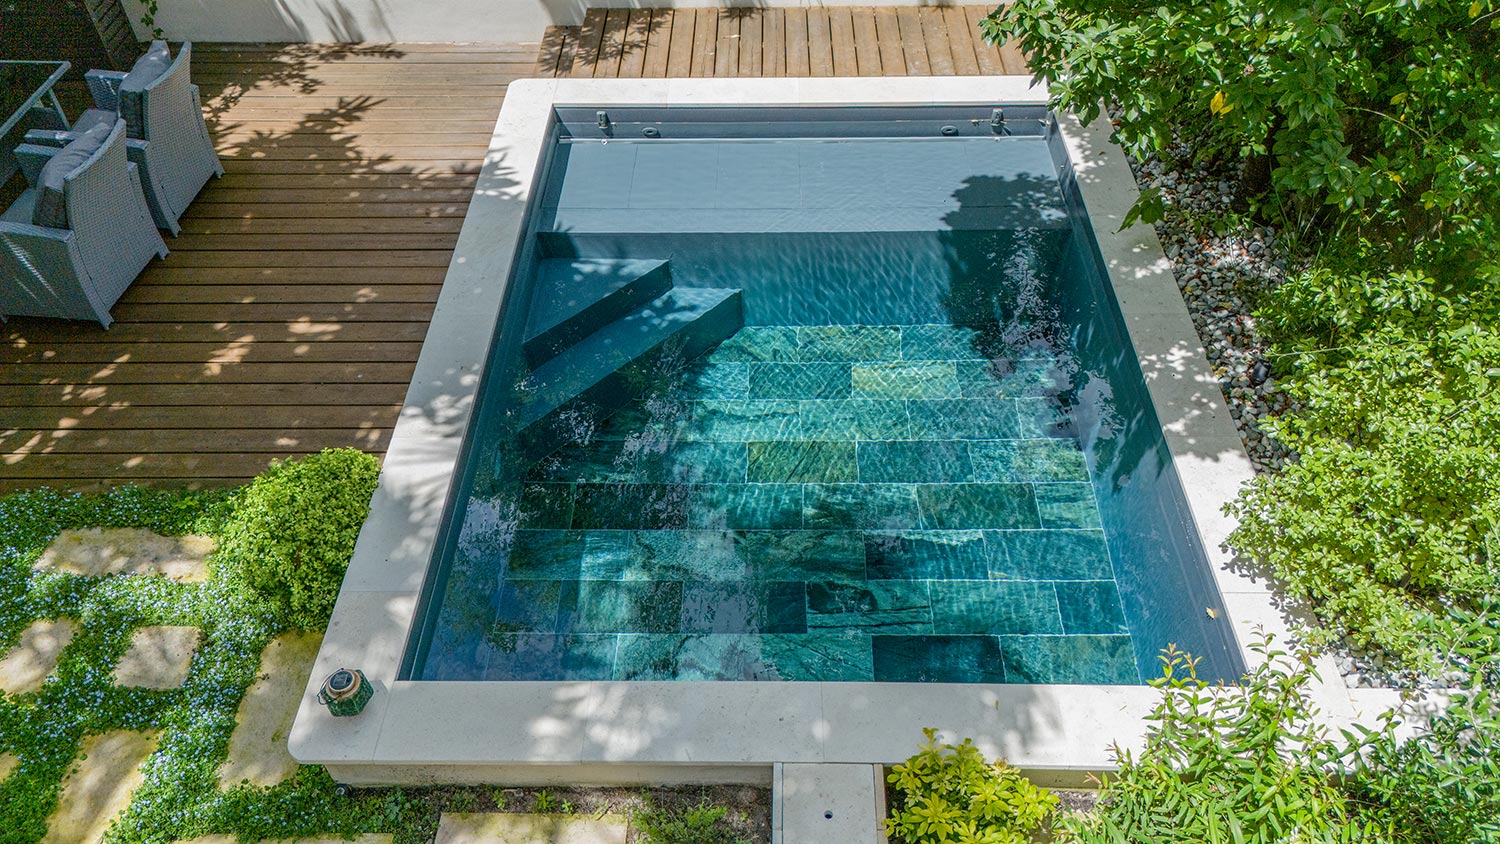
(77, 272)
(168, 139)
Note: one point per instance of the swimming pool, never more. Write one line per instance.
(813, 395)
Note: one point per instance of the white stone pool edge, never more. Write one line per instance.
(607, 732)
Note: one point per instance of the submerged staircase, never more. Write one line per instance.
(601, 331)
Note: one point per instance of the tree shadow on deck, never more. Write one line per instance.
(289, 316)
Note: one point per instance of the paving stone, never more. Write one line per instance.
(98, 551)
(158, 657)
(8, 763)
(257, 750)
(99, 786)
(518, 828)
(35, 655)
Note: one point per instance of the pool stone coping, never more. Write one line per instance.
(611, 732)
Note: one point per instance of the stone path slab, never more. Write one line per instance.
(8, 763)
(99, 551)
(827, 803)
(158, 658)
(257, 750)
(99, 787)
(35, 655)
(519, 828)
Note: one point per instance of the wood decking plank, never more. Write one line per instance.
(272, 417)
(633, 49)
(888, 36)
(547, 57)
(589, 36)
(705, 41)
(960, 41)
(680, 51)
(773, 42)
(819, 42)
(796, 42)
(210, 355)
(841, 32)
(727, 46)
(866, 42)
(987, 54)
(612, 45)
(751, 43)
(913, 44)
(129, 442)
(935, 35)
(658, 44)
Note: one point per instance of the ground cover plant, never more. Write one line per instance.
(951, 793)
(1366, 134)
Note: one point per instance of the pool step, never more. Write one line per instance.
(565, 396)
(574, 297)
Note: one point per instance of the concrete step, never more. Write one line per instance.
(574, 297)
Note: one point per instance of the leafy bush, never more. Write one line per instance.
(950, 792)
(293, 533)
(1234, 764)
(1440, 786)
(1389, 106)
(701, 824)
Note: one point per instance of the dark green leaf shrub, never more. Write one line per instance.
(701, 824)
(293, 533)
(1239, 764)
(950, 792)
(1389, 516)
(1390, 107)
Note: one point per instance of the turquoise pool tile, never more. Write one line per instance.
(994, 607)
(527, 606)
(544, 506)
(1067, 506)
(962, 419)
(860, 506)
(980, 379)
(744, 607)
(1069, 659)
(533, 656)
(625, 606)
(918, 380)
(1028, 460)
(799, 381)
(746, 506)
(829, 656)
(1091, 606)
(627, 506)
(802, 462)
(729, 656)
(758, 343)
(914, 461)
(802, 554)
(937, 659)
(546, 555)
(926, 555)
(687, 555)
(848, 343)
(1043, 417)
(977, 506)
(940, 342)
(742, 420)
(1009, 378)
(656, 419)
(854, 419)
(644, 462)
(890, 606)
(1050, 555)
(712, 379)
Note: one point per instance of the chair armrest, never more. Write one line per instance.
(32, 159)
(104, 85)
(57, 138)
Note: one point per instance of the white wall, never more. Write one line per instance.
(356, 20)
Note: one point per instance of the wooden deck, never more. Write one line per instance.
(290, 313)
(812, 41)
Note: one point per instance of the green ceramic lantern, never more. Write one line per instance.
(345, 692)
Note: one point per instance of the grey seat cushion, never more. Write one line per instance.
(147, 69)
(94, 117)
(51, 204)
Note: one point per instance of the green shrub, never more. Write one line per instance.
(1241, 764)
(1386, 107)
(952, 793)
(701, 824)
(292, 535)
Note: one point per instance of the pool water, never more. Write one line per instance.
(814, 401)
